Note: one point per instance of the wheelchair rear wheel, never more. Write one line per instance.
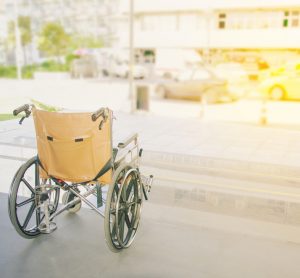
(24, 213)
(123, 208)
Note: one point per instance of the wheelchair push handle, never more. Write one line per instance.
(24, 108)
(98, 113)
(102, 112)
(20, 109)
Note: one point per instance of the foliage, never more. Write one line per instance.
(24, 23)
(8, 72)
(52, 66)
(44, 106)
(70, 58)
(28, 71)
(54, 41)
(79, 41)
(6, 117)
(11, 72)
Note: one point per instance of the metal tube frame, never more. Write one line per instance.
(81, 197)
(134, 159)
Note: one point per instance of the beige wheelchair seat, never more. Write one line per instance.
(71, 147)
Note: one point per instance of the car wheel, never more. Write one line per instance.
(211, 97)
(277, 93)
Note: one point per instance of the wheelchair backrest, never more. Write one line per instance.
(71, 146)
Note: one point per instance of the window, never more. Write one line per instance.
(164, 22)
(149, 23)
(222, 21)
(291, 19)
(189, 21)
(167, 22)
(295, 22)
(222, 25)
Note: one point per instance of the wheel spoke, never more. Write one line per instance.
(121, 226)
(29, 215)
(28, 185)
(113, 232)
(25, 213)
(128, 222)
(116, 189)
(131, 204)
(25, 202)
(129, 188)
(37, 216)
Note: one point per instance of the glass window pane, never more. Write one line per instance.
(295, 22)
(201, 75)
(221, 24)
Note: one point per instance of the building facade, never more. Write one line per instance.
(217, 25)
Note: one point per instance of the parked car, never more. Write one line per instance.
(281, 70)
(85, 66)
(121, 69)
(169, 62)
(236, 77)
(283, 83)
(194, 85)
(253, 65)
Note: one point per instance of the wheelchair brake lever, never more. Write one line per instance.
(22, 119)
(101, 124)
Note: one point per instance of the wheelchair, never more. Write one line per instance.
(76, 156)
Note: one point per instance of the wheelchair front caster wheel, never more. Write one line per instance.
(68, 197)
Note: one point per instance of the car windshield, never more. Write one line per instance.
(222, 70)
(201, 74)
(185, 75)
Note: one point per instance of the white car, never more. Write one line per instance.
(236, 76)
(121, 69)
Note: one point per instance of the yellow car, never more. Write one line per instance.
(282, 83)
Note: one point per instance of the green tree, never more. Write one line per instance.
(24, 23)
(79, 41)
(53, 40)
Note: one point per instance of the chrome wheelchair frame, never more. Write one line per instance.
(123, 202)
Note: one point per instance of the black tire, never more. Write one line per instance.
(123, 208)
(24, 183)
(277, 93)
(68, 197)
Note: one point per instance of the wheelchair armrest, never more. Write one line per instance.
(129, 140)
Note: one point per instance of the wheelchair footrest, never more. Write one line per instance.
(44, 229)
(146, 185)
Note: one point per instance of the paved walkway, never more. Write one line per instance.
(163, 247)
(188, 140)
(188, 137)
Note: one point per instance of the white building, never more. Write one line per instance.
(216, 25)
